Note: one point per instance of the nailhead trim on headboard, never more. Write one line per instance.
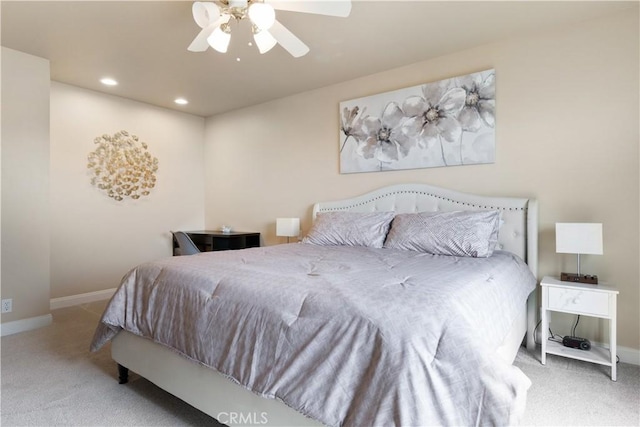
(382, 196)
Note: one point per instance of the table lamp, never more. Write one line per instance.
(580, 239)
(288, 227)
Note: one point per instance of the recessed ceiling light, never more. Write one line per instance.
(108, 81)
(181, 101)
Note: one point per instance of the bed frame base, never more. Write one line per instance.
(201, 387)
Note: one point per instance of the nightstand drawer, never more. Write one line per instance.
(579, 301)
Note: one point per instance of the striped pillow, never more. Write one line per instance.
(456, 233)
(350, 229)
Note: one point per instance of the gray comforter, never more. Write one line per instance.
(345, 335)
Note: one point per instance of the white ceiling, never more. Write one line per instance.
(143, 44)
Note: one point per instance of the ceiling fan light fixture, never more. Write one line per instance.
(262, 15)
(264, 40)
(213, 19)
(220, 38)
(238, 4)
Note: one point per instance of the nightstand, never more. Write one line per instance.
(585, 300)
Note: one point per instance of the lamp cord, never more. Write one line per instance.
(573, 334)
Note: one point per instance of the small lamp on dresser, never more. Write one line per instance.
(288, 227)
(579, 239)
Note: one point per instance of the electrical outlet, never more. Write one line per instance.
(7, 305)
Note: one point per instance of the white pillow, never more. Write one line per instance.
(350, 229)
(456, 233)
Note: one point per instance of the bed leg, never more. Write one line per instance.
(123, 374)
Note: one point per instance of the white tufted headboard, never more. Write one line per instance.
(518, 233)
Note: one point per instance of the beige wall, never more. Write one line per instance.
(25, 186)
(567, 134)
(95, 240)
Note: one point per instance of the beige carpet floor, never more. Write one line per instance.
(49, 377)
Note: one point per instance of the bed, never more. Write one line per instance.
(381, 375)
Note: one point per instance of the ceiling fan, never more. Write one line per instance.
(214, 19)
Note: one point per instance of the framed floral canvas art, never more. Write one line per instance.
(445, 123)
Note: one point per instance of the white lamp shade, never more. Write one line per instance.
(289, 227)
(579, 238)
(262, 15)
(205, 13)
(219, 40)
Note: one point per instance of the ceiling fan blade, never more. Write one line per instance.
(288, 40)
(200, 44)
(340, 8)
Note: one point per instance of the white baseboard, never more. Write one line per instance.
(72, 300)
(23, 325)
(17, 326)
(629, 355)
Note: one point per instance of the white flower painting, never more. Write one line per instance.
(446, 123)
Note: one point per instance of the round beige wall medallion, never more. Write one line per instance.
(122, 167)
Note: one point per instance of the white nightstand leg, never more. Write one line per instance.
(613, 345)
(544, 325)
